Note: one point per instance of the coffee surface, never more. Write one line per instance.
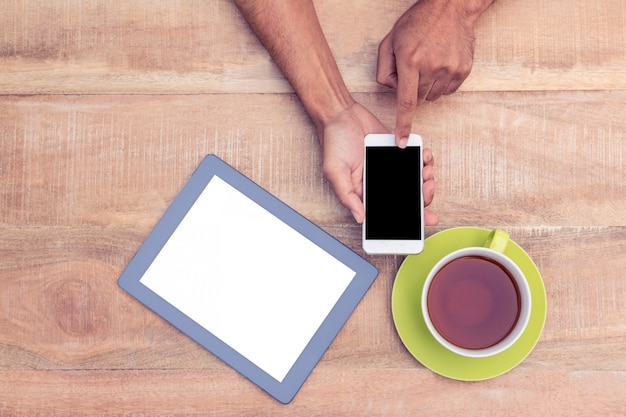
(473, 302)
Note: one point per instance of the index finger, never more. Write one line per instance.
(406, 104)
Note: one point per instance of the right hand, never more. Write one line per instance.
(342, 139)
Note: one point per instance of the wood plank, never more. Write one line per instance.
(522, 158)
(164, 47)
(63, 310)
(534, 143)
(546, 392)
(72, 343)
(84, 179)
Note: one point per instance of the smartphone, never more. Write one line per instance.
(392, 196)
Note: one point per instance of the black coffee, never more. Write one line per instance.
(473, 302)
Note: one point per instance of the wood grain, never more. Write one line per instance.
(85, 178)
(222, 393)
(106, 108)
(524, 158)
(64, 311)
(194, 46)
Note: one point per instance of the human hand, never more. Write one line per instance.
(428, 53)
(342, 140)
(294, 38)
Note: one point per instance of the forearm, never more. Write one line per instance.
(291, 33)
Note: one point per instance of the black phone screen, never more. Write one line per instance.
(393, 200)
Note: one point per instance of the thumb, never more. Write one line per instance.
(347, 194)
(386, 73)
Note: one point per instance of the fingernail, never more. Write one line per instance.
(354, 214)
(403, 141)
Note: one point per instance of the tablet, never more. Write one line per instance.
(248, 278)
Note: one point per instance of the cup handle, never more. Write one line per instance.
(498, 240)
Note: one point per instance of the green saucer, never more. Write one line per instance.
(409, 321)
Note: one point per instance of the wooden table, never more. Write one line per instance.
(106, 108)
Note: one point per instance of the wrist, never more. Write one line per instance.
(471, 10)
(324, 109)
(323, 92)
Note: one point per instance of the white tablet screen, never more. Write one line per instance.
(247, 277)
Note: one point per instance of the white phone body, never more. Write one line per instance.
(392, 196)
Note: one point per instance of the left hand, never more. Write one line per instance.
(429, 52)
